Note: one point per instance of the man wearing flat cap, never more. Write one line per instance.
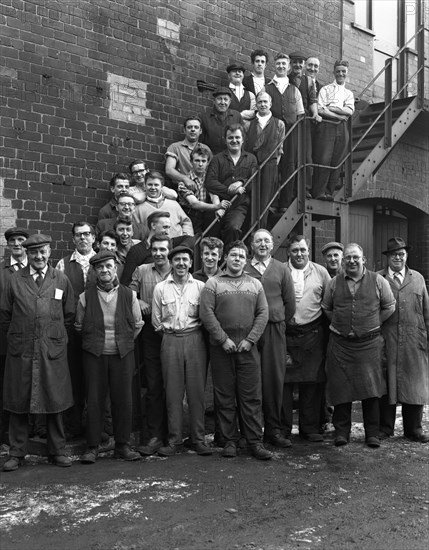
(242, 100)
(333, 256)
(215, 120)
(176, 314)
(406, 334)
(108, 317)
(37, 310)
(17, 259)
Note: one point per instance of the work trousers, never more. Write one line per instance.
(156, 412)
(412, 416)
(269, 180)
(237, 377)
(342, 418)
(330, 147)
(19, 430)
(232, 222)
(273, 362)
(73, 417)
(184, 367)
(310, 402)
(113, 373)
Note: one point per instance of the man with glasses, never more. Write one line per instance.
(357, 303)
(406, 334)
(138, 170)
(77, 268)
(125, 206)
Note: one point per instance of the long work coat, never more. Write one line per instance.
(37, 378)
(406, 333)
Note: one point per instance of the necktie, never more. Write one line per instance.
(397, 280)
(39, 279)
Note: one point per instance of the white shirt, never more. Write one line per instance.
(281, 82)
(336, 95)
(399, 274)
(260, 266)
(21, 263)
(263, 120)
(35, 273)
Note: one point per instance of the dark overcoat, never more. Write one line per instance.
(37, 378)
(406, 334)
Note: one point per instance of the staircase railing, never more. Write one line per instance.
(302, 166)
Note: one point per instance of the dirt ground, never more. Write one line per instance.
(310, 496)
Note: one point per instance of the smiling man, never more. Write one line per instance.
(226, 176)
(37, 311)
(357, 303)
(335, 104)
(234, 311)
(279, 291)
(305, 342)
(155, 200)
(109, 319)
(333, 257)
(175, 314)
(215, 120)
(242, 100)
(406, 334)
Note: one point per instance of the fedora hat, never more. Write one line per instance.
(394, 244)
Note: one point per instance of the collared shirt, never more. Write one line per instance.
(263, 120)
(258, 83)
(399, 274)
(18, 264)
(176, 308)
(281, 83)
(261, 266)
(181, 151)
(309, 307)
(145, 278)
(336, 95)
(82, 260)
(34, 273)
(222, 172)
(200, 192)
(214, 124)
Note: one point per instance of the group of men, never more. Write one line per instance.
(242, 320)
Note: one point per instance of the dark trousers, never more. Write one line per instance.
(108, 372)
(156, 411)
(73, 416)
(342, 418)
(269, 179)
(330, 147)
(19, 431)
(232, 222)
(237, 376)
(4, 415)
(273, 362)
(287, 166)
(310, 400)
(412, 416)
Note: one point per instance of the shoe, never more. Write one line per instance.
(260, 452)
(230, 450)
(418, 437)
(282, 210)
(373, 442)
(384, 435)
(278, 440)
(168, 450)
(313, 438)
(321, 197)
(60, 460)
(202, 449)
(13, 463)
(341, 440)
(90, 455)
(152, 446)
(329, 197)
(125, 452)
(308, 195)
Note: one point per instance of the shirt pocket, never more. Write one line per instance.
(168, 309)
(193, 309)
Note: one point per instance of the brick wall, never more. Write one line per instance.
(89, 85)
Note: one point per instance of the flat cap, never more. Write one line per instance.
(235, 67)
(36, 241)
(394, 244)
(180, 249)
(298, 55)
(330, 245)
(16, 232)
(102, 256)
(222, 90)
